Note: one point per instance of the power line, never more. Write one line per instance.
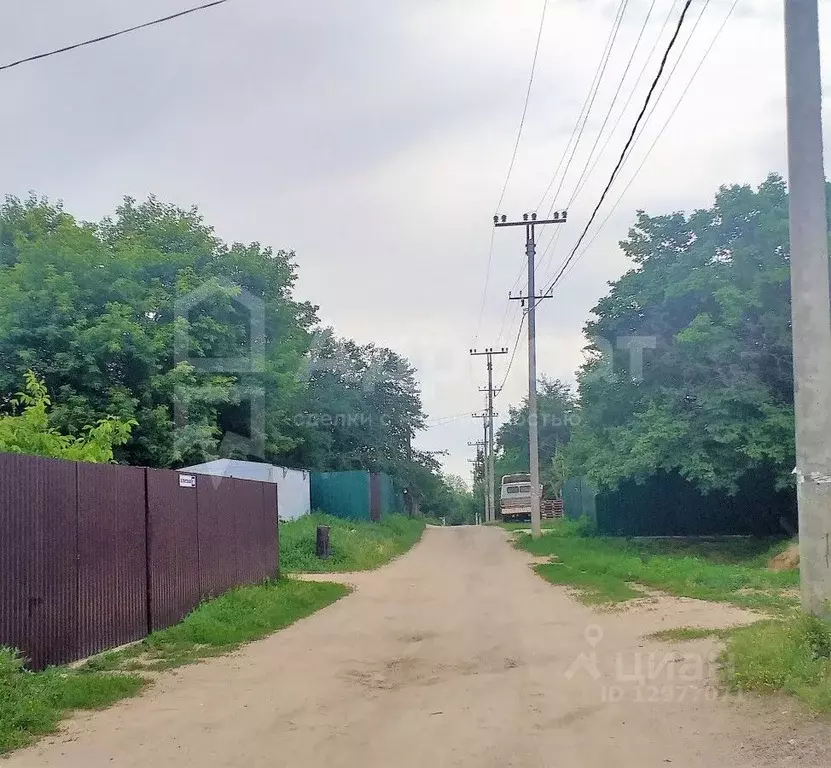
(629, 141)
(442, 421)
(663, 128)
(585, 111)
(552, 242)
(584, 176)
(484, 291)
(111, 35)
(511, 166)
(513, 351)
(525, 106)
(671, 72)
(508, 305)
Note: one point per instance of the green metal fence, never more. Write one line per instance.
(355, 495)
(579, 499)
(342, 494)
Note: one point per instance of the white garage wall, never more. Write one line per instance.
(293, 499)
(293, 485)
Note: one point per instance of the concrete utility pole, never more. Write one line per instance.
(490, 352)
(480, 456)
(810, 310)
(488, 510)
(529, 222)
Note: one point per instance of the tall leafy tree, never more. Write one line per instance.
(98, 310)
(557, 414)
(710, 292)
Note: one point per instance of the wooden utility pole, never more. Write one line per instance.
(810, 310)
(480, 457)
(529, 221)
(490, 352)
(484, 417)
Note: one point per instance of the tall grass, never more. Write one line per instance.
(354, 545)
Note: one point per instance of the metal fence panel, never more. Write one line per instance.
(342, 494)
(173, 548)
(247, 515)
(375, 497)
(112, 558)
(218, 503)
(38, 569)
(270, 531)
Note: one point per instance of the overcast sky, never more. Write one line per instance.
(373, 138)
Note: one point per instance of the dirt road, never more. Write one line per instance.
(455, 655)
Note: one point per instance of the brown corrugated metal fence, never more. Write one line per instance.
(173, 548)
(112, 562)
(38, 563)
(93, 556)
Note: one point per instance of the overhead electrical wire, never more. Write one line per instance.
(585, 111)
(582, 118)
(586, 173)
(671, 73)
(661, 131)
(111, 35)
(545, 258)
(524, 106)
(443, 421)
(628, 144)
(511, 165)
(632, 92)
(583, 174)
(513, 354)
(651, 112)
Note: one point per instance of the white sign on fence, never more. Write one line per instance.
(187, 481)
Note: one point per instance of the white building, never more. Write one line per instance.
(293, 500)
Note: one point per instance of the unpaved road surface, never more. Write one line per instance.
(455, 655)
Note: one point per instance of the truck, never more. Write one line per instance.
(515, 497)
(515, 500)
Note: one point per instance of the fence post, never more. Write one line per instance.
(322, 543)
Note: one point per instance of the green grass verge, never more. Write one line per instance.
(545, 524)
(723, 570)
(223, 624)
(33, 703)
(353, 545)
(792, 656)
(684, 634)
(790, 653)
(771, 656)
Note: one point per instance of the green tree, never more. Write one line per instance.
(92, 309)
(715, 399)
(27, 429)
(360, 409)
(99, 311)
(558, 413)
